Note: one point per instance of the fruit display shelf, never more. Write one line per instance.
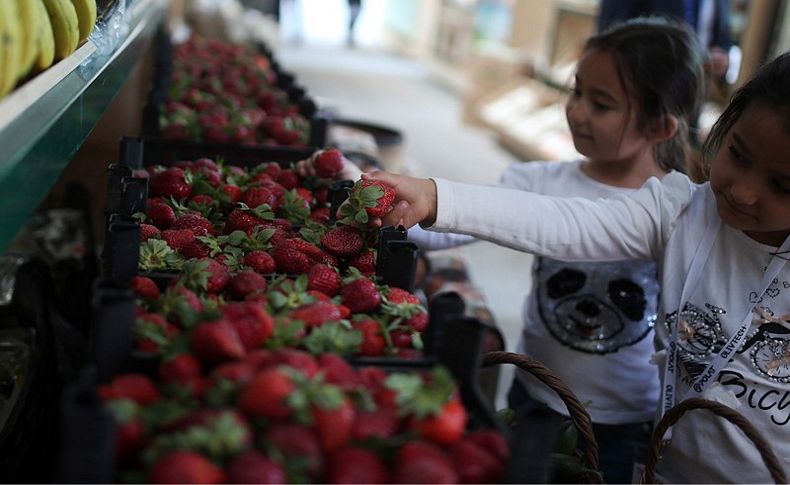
(45, 121)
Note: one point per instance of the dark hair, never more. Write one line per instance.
(660, 64)
(770, 86)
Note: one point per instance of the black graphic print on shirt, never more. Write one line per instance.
(597, 307)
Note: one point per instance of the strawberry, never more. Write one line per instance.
(333, 422)
(491, 441)
(144, 287)
(272, 169)
(298, 445)
(402, 304)
(296, 256)
(246, 283)
(147, 231)
(323, 278)
(338, 371)
(365, 263)
(202, 202)
(169, 183)
(161, 214)
(197, 249)
(320, 215)
(254, 467)
(298, 359)
(232, 193)
(382, 423)
(361, 296)
(153, 332)
(256, 196)
(206, 163)
(178, 239)
(214, 342)
(260, 261)
(288, 179)
(239, 371)
(199, 225)
(245, 218)
(135, 387)
(321, 195)
(185, 467)
(445, 427)
(423, 462)
(180, 368)
(373, 343)
(343, 241)
(475, 464)
(315, 314)
(368, 198)
(267, 394)
(328, 163)
(356, 465)
(251, 322)
(130, 438)
(205, 274)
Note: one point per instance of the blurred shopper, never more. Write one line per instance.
(636, 86)
(354, 6)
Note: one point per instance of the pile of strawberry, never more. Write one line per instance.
(226, 93)
(288, 417)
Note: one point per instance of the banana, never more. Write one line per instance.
(65, 26)
(46, 42)
(86, 13)
(10, 45)
(31, 31)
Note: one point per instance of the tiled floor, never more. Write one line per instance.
(398, 92)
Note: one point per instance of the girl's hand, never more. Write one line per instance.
(306, 168)
(415, 200)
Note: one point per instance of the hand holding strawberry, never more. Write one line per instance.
(413, 201)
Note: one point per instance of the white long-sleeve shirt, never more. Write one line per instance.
(590, 322)
(665, 221)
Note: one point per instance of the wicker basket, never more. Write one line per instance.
(579, 415)
(674, 414)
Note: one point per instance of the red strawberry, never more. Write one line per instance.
(296, 256)
(251, 321)
(260, 261)
(181, 368)
(475, 464)
(161, 214)
(240, 371)
(356, 465)
(246, 283)
(202, 201)
(254, 467)
(130, 438)
(216, 342)
(373, 343)
(446, 427)
(206, 163)
(178, 239)
(196, 249)
(246, 219)
(338, 371)
(199, 225)
(147, 231)
(422, 462)
(361, 296)
(267, 394)
(328, 163)
(333, 424)
(256, 196)
(368, 198)
(153, 332)
(365, 263)
(297, 444)
(320, 215)
(145, 287)
(205, 274)
(405, 305)
(169, 183)
(135, 387)
(343, 241)
(288, 179)
(185, 467)
(491, 441)
(232, 192)
(323, 278)
(298, 359)
(315, 314)
(272, 169)
(321, 193)
(381, 423)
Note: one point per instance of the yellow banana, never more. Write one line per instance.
(65, 26)
(46, 41)
(31, 30)
(86, 13)
(10, 45)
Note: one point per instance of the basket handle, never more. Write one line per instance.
(579, 416)
(674, 414)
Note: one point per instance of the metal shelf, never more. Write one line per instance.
(46, 120)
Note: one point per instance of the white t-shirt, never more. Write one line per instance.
(589, 322)
(665, 221)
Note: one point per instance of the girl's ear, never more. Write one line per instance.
(663, 129)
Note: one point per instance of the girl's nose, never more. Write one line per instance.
(745, 191)
(574, 111)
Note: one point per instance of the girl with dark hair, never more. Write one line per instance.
(722, 249)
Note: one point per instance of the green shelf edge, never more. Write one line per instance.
(28, 174)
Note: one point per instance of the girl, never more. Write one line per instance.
(721, 247)
(591, 322)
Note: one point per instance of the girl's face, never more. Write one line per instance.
(602, 119)
(750, 176)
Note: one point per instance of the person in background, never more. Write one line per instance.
(722, 249)
(636, 86)
(354, 6)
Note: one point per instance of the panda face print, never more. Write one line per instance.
(597, 307)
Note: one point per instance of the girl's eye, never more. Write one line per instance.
(736, 154)
(601, 106)
(780, 186)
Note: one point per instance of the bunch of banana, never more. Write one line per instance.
(34, 33)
